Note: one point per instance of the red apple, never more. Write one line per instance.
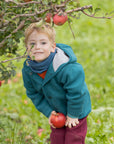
(48, 17)
(0, 83)
(58, 120)
(60, 19)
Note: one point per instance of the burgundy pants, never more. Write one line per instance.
(74, 135)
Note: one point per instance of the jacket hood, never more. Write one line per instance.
(63, 56)
(68, 51)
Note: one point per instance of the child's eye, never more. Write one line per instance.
(43, 43)
(32, 44)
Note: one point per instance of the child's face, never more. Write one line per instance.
(39, 46)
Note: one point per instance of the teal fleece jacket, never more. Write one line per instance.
(63, 89)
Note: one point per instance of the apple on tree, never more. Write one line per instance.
(60, 19)
(58, 120)
(48, 17)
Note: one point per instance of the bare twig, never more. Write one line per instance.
(36, 19)
(22, 4)
(71, 29)
(23, 56)
(19, 27)
(95, 16)
(2, 30)
(79, 9)
(66, 1)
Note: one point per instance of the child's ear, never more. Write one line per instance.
(53, 47)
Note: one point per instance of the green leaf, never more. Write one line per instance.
(97, 9)
(90, 9)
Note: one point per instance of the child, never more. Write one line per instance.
(55, 82)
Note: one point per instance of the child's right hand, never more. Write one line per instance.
(71, 122)
(53, 112)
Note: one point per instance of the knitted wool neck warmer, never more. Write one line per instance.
(39, 67)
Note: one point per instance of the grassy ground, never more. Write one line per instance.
(21, 123)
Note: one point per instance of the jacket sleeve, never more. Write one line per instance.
(37, 98)
(73, 80)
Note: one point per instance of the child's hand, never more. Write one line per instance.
(53, 112)
(70, 122)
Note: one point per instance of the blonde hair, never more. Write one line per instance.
(44, 28)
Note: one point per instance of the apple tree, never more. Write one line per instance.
(16, 15)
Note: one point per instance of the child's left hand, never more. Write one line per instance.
(70, 122)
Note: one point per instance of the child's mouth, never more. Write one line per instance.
(38, 53)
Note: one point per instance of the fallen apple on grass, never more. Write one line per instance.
(58, 120)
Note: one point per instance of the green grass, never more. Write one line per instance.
(93, 46)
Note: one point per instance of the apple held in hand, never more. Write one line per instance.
(60, 19)
(58, 120)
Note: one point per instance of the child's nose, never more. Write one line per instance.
(38, 46)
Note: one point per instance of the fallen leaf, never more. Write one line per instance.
(5, 109)
(9, 81)
(98, 121)
(28, 137)
(112, 139)
(19, 75)
(25, 102)
(15, 80)
(39, 131)
(8, 140)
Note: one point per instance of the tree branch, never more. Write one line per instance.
(22, 4)
(25, 15)
(21, 25)
(23, 56)
(79, 9)
(71, 29)
(95, 16)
